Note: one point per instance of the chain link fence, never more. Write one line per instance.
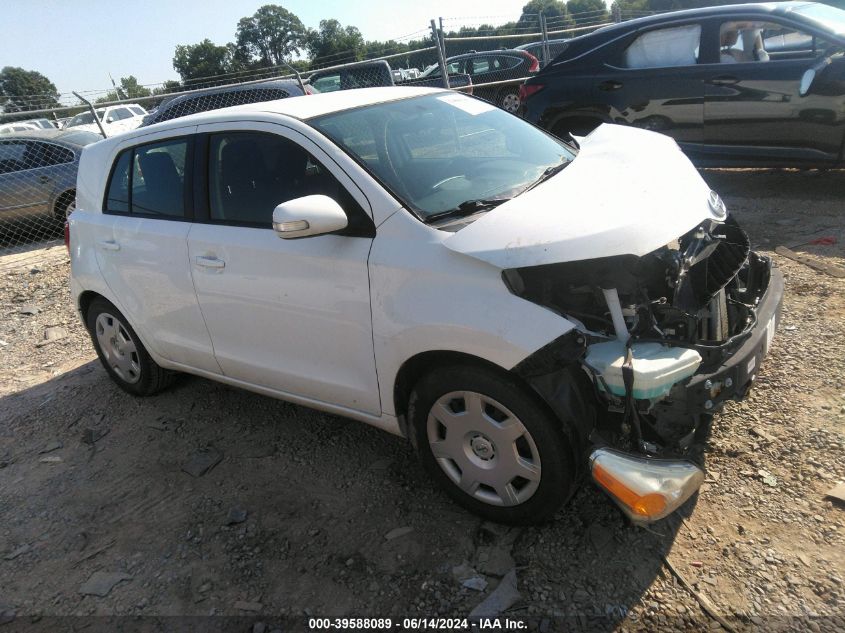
(40, 147)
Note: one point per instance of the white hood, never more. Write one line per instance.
(628, 191)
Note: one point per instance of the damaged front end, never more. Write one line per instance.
(664, 339)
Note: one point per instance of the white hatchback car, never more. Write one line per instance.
(524, 311)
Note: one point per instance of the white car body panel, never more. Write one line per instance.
(565, 220)
(115, 127)
(428, 298)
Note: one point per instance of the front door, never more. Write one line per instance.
(290, 315)
(753, 108)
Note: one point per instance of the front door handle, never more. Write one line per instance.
(209, 262)
(108, 245)
(724, 80)
(610, 85)
(43, 179)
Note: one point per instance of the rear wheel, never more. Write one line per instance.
(121, 352)
(509, 100)
(491, 445)
(65, 205)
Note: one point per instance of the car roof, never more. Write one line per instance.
(773, 8)
(501, 51)
(264, 85)
(47, 135)
(302, 108)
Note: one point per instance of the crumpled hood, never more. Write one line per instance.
(628, 191)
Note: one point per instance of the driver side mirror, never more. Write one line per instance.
(110, 119)
(807, 81)
(308, 216)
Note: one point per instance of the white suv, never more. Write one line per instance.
(114, 119)
(525, 312)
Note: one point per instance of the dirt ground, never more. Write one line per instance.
(305, 514)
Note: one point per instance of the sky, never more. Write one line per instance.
(77, 43)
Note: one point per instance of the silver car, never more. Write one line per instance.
(38, 180)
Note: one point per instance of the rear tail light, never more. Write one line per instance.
(526, 90)
(67, 236)
(534, 63)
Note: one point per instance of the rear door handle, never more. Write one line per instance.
(44, 179)
(108, 245)
(725, 80)
(610, 85)
(209, 262)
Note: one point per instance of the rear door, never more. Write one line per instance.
(290, 315)
(654, 81)
(753, 108)
(142, 247)
(21, 192)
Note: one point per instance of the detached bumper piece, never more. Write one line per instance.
(646, 489)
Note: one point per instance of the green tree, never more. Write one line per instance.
(587, 11)
(553, 10)
(271, 35)
(22, 90)
(128, 89)
(206, 59)
(331, 40)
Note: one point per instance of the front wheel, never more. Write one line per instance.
(491, 445)
(121, 352)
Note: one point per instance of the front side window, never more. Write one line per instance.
(662, 48)
(137, 110)
(251, 173)
(150, 180)
(749, 41)
(438, 151)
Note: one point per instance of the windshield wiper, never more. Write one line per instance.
(548, 173)
(465, 208)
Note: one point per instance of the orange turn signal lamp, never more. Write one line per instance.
(645, 489)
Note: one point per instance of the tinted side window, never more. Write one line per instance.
(117, 196)
(158, 179)
(11, 156)
(749, 41)
(251, 173)
(662, 48)
(149, 180)
(46, 155)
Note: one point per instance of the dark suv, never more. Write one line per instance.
(739, 85)
(216, 98)
(491, 67)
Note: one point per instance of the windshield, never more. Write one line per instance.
(85, 118)
(440, 151)
(831, 17)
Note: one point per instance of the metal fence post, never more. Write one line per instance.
(545, 33)
(441, 53)
(93, 113)
(616, 12)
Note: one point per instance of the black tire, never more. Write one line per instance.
(63, 203)
(148, 378)
(544, 431)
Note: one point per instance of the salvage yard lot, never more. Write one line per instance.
(302, 513)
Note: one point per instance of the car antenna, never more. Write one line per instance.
(93, 112)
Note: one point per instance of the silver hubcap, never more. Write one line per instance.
(483, 448)
(510, 102)
(118, 348)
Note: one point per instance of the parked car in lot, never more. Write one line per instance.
(114, 119)
(206, 100)
(728, 83)
(536, 48)
(38, 178)
(374, 74)
(18, 126)
(489, 67)
(427, 263)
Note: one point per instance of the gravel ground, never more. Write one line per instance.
(306, 514)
